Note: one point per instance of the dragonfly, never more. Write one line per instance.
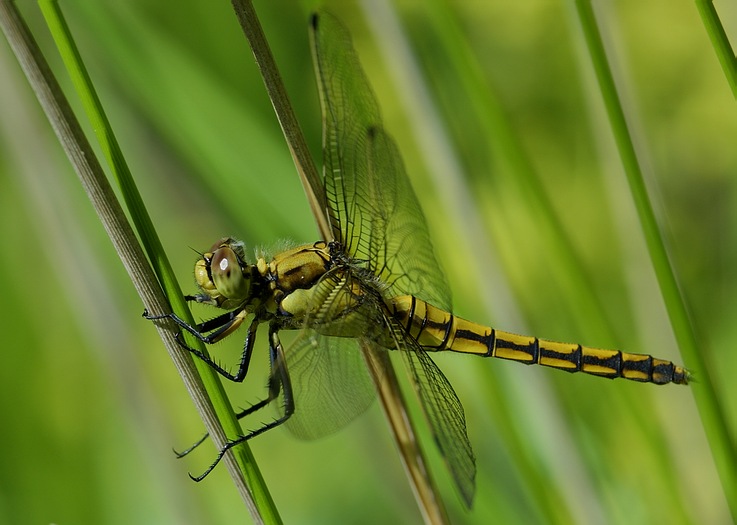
(377, 282)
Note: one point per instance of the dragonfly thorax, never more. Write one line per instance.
(293, 273)
(281, 286)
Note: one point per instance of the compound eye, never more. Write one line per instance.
(227, 274)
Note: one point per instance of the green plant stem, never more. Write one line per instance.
(103, 198)
(719, 41)
(710, 409)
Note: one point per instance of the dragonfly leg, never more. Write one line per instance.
(240, 375)
(275, 384)
(219, 327)
(278, 381)
(239, 415)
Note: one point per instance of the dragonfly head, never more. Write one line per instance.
(223, 274)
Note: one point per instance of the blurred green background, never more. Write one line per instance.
(481, 97)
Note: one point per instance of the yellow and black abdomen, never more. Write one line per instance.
(438, 330)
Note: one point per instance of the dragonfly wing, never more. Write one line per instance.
(348, 109)
(375, 215)
(330, 381)
(442, 408)
(372, 207)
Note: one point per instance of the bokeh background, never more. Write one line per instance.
(479, 96)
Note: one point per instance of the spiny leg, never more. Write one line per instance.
(238, 377)
(239, 415)
(273, 388)
(219, 327)
(278, 381)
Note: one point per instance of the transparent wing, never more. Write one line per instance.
(372, 208)
(374, 213)
(330, 382)
(442, 408)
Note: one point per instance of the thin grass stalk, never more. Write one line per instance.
(382, 371)
(101, 194)
(710, 409)
(244, 470)
(719, 41)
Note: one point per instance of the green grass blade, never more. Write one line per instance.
(719, 41)
(261, 506)
(710, 407)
